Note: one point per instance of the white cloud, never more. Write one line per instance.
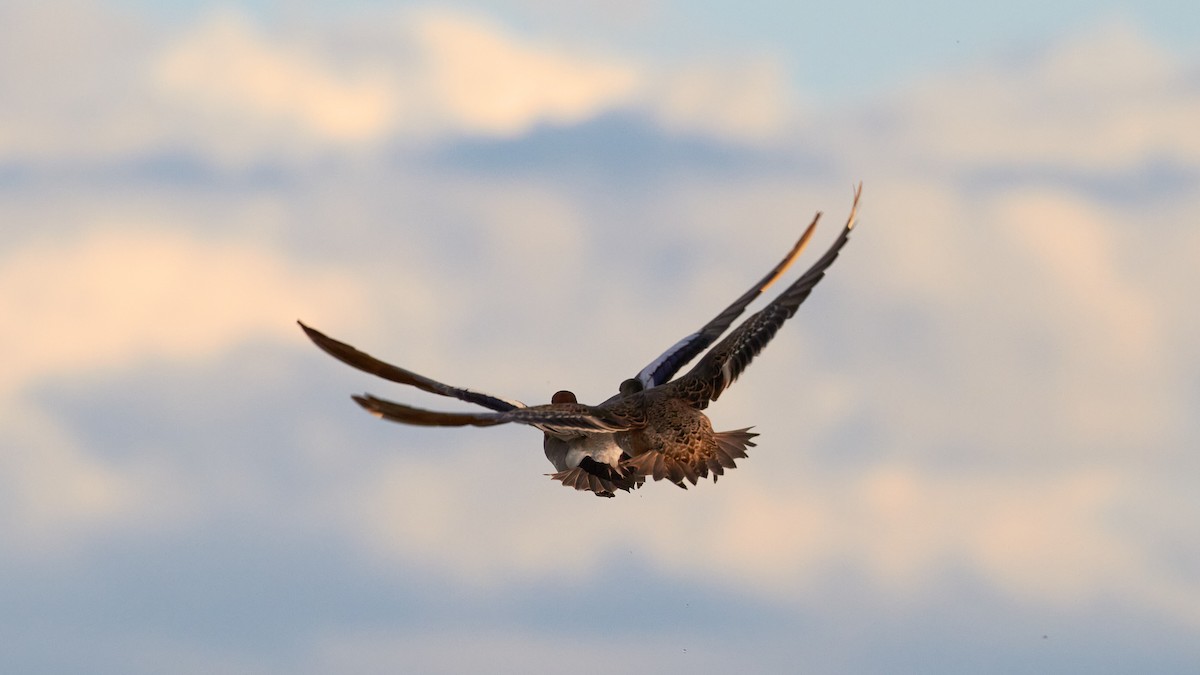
(119, 296)
(115, 298)
(1047, 540)
(52, 491)
(253, 88)
(488, 82)
(1115, 364)
(232, 91)
(1041, 307)
(777, 526)
(1105, 100)
(746, 101)
(1017, 358)
(227, 89)
(70, 83)
(1048, 374)
(509, 649)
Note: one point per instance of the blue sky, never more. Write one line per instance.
(978, 434)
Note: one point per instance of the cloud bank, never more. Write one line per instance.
(988, 402)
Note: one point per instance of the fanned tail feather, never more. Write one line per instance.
(731, 445)
(601, 479)
(728, 447)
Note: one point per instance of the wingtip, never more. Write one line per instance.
(808, 233)
(308, 330)
(852, 220)
(367, 402)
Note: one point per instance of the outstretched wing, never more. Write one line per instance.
(367, 363)
(721, 366)
(663, 368)
(563, 417)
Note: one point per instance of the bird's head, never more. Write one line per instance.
(630, 387)
(563, 396)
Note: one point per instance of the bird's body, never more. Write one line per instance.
(654, 427)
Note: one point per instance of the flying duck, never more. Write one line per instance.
(654, 426)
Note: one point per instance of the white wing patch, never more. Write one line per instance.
(647, 376)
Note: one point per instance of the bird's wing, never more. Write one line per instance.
(367, 363)
(722, 365)
(561, 417)
(663, 368)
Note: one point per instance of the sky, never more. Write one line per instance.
(978, 435)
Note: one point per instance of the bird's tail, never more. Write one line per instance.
(692, 465)
(602, 479)
(731, 445)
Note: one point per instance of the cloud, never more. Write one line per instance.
(456, 74)
(439, 651)
(112, 299)
(53, 491)
(742, 102)
(488, 82)
(445, 74)
(992, 388)
(251, 87)
(1005, 355)
(1107, 312)
(1105, 100)
(232, 92)
(119, 296)
(898, 525)
(1035, 296)
(70, 83)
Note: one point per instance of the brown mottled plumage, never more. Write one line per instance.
(655, 427)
